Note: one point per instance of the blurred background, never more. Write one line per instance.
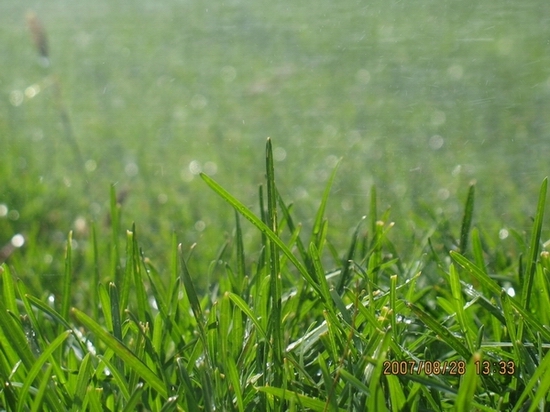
(420, 98)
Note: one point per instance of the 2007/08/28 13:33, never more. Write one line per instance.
(455, 367)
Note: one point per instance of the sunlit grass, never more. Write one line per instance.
(291, 325)
(426, 127)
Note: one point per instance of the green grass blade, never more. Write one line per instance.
(467, 219)
(125, 281)
(105, 302)
(117, 375)
(320, 277)
(241, 304)
(187, 386)
(8, 290)
(276, 284)
(94, 284)
(13, 340)
(397, 396)
(527, 283)
(44, 391)
(373, 210)
(294, 229)
(123, 352)
(243, 210)
(67, 279)
(393, 307)
(478, 250)
(190, 289)
(85, 372)
(377, 400)
(115, 246)
(40, 305)
(39, 363)
(115, 311)
(458, 303)
(353, 381)
(139, 285)
(346, 264)
(319, 217)
(303, 400)
(541, 380)
(135, 398)
(468, 385)
(241, 267)
(491, 285)
(479, 274)
(440, 330)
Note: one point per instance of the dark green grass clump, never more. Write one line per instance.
(289, 326)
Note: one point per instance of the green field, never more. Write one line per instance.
(419, 100)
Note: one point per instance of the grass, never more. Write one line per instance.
(280, 331)
(430, 119)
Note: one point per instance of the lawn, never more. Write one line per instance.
(429, 119)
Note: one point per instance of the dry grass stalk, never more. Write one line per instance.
(39, 36)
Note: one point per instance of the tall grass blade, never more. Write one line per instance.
(346, 264)
(468, 385)
(440, 330)
(276, 284)
(241, 304)
(43, 392)
(139, 286)
(540, 380)
(13, 340)
(85, 372)
(135, 398)
(187, 386)
(114, 219)
(243, 210)
(8, 290)
(306, 402)
(478, 273)
(67, 279)
(467, 219)
(322, 207)
(373, 210)
(94, 284)
(534, 248)
(241, 267)
(123, 352)
(115, 311)
(190, 289)
(38, 364)
(478, 250)
(458, 301)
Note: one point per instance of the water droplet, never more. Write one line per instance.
(90, 165)
(18, 240)
(436, 142)
(195, 167)
(503, 233)
(200, 226)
